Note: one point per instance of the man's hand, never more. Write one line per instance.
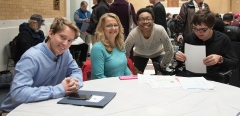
(87, 20)
(86, 33)
(211, 59)
(70, 85)
(180, 56)
(179, 37)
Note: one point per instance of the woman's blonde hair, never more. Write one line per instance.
(60, 23)
(100, 34)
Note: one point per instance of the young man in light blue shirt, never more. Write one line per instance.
(47, 70)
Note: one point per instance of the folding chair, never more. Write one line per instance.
(8, 51)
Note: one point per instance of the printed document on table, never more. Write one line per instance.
(95, 98)
(85, 26)
(195, 83)
(159, 81)
(142, 78)
(195, 55)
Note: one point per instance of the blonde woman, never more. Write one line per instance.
(108, 54)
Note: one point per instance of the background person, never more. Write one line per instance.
(29, 35)
(233, 32)
(168, 16)
(188, 9)
(236, 21)
(159, 13)
(108, 56)
(80, 16)
(100, 9)
(47, 70)
(171, 25)
(120, 8)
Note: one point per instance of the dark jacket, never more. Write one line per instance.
(219, 25)
(184, 18)
(27, 38)
(219, 44)
(160, 15)
(233, 32)
(171, 26)
(100, 9)
(120, 8)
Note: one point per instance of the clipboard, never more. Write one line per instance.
(85, 26)
(108, 96)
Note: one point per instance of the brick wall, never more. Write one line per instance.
(218, 6)
(23, 9)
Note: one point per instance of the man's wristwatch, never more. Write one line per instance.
(220, 60)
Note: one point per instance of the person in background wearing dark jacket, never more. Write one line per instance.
(95, 2)
(219, 25)
(188, 9)
(171, 24)
(168, 16)
(233, 32)
(160, 13)
(101, 8)
(220, 56)
(29, 35)
(120, 8)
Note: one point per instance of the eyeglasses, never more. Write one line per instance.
(201, 30)
(111, 26)
(144, 20)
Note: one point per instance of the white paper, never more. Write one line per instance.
(95, 98)
(195, 55)
(142, 78)
(85, 26)
(78, 41)
(195, 83)
(158, 81)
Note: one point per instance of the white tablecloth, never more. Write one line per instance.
(135, 99)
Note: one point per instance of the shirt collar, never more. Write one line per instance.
(48, 52)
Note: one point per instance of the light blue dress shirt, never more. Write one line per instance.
(38, 76)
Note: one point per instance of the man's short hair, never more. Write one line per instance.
(204, 16)
(217, 15)
(168, 14)
(145, 10)
(228, 17)
(174, 15)
(38, 18)
(83, 3)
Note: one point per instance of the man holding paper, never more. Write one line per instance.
(219, 53)
(82, 19)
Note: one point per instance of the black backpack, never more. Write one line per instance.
(13, 48)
